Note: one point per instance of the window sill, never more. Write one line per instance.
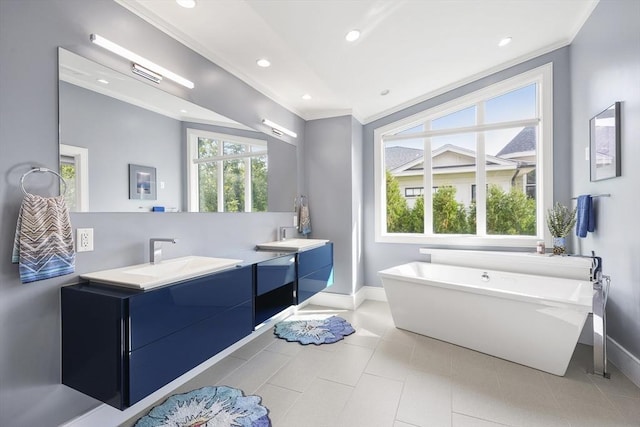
(504, 242)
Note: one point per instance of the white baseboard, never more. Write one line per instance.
(626, 362)
(349, 302)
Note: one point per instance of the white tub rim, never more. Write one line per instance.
(583, 302)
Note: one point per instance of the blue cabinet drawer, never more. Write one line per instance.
(158, 363)
(274, 273)
(157, 313)
(315, 259)
(314, 283)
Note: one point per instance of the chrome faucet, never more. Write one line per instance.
(282, 232)
(155, 248)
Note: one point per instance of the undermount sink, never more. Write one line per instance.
(292, 244)
(147, 276)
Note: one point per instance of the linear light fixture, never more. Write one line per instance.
(147, 74)
(279, 130)
(137, 59)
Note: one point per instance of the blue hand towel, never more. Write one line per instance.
(585, 218)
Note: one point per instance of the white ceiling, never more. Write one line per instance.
(414, 48)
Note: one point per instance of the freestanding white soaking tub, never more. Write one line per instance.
(532, 320)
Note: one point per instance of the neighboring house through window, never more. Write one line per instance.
(489, 163)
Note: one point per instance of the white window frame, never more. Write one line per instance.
(420, 191)
(543, 78)
(80, 156)
(193, 185)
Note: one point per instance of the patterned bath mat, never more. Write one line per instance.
(208, 407)
(314, 331)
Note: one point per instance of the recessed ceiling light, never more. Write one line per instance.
(103, 81)
(264, 63)
(505, 41)
(352, 35)
(189, 4)
(385, 92)
(306, 96)
(183, 111)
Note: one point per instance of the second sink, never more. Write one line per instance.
(292, 244)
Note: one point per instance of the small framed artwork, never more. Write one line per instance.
(605, 144)
(142, 182)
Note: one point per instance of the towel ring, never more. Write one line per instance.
(64, 183)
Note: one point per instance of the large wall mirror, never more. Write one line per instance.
(127, 146)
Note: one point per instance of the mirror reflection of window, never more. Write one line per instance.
(68, 172)
(74, 169)
(227, 173)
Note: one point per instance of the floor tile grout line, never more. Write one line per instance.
(395, 416)
(451, 387)
(478, 418)
(606, 393)
(613, 405)
(501, 385)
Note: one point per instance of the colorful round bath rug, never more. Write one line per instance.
(208, 407)
(314, 331)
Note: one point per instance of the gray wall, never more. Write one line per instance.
(116, 134)
(332, 164)
(383, 255)
(30, 33)
(605, 67)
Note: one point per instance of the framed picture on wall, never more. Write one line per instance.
(142, 182)
(605, 143)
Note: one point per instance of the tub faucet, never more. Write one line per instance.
(282, 232)
(155, 248)
(596, 268)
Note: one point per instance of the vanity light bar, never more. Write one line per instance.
(147, 74)
(137, 59)
(279, 130)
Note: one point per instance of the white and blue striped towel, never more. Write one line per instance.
(43, 244)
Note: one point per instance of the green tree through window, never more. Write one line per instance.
(234, 176)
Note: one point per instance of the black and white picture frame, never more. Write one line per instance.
(605, 143)
(142, 182)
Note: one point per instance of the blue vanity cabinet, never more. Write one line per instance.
(119, 346)
(275, 284)
(315, 271)
(94, 342)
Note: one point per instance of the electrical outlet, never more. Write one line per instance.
(84, 239)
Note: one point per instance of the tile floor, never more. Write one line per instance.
(383, 376)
